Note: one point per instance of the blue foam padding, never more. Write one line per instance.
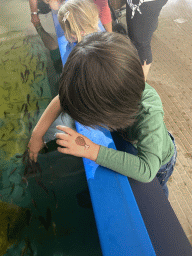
(120, 226)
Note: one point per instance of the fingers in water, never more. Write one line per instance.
(33, 157)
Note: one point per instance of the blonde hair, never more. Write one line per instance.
(46, 1)
(78, 18)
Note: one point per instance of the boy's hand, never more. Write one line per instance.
(34, 146)
(76, 144)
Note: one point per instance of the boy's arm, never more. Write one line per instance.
(36, 142)
(145, 165)
(142, 167)
(48, 117)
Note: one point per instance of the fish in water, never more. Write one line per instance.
(26, 171)
(3, 145)
(46, 223)
(26, 110)
(28, 98)
(54, 228)
(43, 222)
(22, 106)
(35, 204)
(40, 183)
(12, 171)
(25, 180)
(38, 111)
(24, 250)
(34, 75)
(26, 73)
(25, 76)
(12, 128)
(39, 55)
(13, 186)
(42, 67)
(48, 217)
(41, 89)
(26, 247)
(55, 198)
(25, 156)
(37, 75)
(29, 245)
(4, 60)
(30, 166)
(13, 47)
(22, 76)
(38, 168)
(18, 156)
(31, 58)
(5, 113)
(30, 126)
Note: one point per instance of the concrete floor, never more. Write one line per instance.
(170, 75)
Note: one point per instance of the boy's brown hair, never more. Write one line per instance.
(102, 82)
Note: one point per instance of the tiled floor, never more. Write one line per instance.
(171, 76)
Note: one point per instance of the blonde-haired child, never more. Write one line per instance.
(78, 18)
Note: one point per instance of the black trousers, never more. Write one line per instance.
(43, 7)
(141, 27)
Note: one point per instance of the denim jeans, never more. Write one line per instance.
(167, 169)
(164, 172)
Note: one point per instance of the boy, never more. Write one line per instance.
(102, 85)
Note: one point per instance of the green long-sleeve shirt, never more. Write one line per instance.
(154, 145)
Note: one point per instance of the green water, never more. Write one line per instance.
(58, 225)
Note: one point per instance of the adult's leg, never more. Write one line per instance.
(141, 28)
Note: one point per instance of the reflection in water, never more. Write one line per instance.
(39, 215)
